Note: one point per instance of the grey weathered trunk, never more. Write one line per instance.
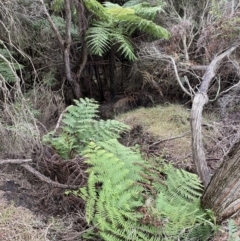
(223, 193)
(198, 153)
(200, 99)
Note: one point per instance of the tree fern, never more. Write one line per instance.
(101, 36)
(145, 9)
(127, 197)
(117, 24)
(97, 9)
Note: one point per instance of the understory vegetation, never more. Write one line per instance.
(127, 196)
(120, 120)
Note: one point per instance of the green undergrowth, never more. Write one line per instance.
(128, 197)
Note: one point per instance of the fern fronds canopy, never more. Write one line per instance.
(117, 24)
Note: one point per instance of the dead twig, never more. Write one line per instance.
(15, 161)
(46, 179)
(170, 139)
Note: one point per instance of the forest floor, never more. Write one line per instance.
(32, 211)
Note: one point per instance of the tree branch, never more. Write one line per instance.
(46, 179)
(170, 138)
(15, 161)
(23, 163)
(200, 99)
(52, 25)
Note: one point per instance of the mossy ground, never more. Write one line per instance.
(169, 127)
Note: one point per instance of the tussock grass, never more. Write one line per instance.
(165, 122)
(19, 224)
(161, 121)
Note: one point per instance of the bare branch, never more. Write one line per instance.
(230, 88)
(212, 67)
(52, 24)
(200, 99)
(15, 161)
(46, 179)
(156, 54)
(170, 139)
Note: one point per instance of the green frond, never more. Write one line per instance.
(118, 23)
(97, 9)
(8, 66)
(98, 39)
(117, 197)
(124, 46)
(133, 22)
(232, 231)
(145, 10)
(114, 10)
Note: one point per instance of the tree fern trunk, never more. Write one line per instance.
(223, 193)
(111, 72)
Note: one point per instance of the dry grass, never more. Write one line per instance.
(164, 122)
(167, 121)
(19, 224)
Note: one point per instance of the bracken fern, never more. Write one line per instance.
(128, 197)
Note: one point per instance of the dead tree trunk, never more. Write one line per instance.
(200, 99)
(223, 193)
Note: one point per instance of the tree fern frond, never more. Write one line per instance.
(96, 8)
(125, 46)
(145, 10)
(98, 39)
(133, 22)
(115, 10)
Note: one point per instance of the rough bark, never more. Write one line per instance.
(223, 193)
(200, 99)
